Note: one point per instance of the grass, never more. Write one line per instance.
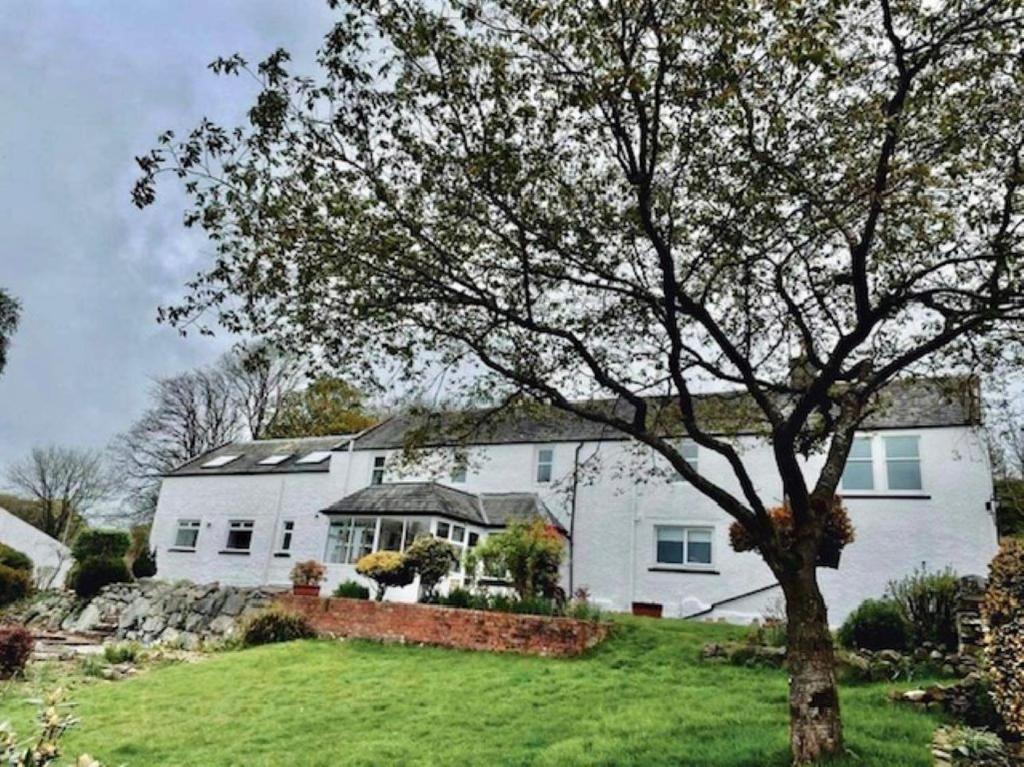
(643, 698)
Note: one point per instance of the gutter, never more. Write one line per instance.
(727, 600)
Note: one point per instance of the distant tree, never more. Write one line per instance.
(261, 379)
(65, 483)
(189, 414)
(584, 201)
(10, 312)
(326, 406)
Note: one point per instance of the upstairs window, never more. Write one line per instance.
(859, 473)
(683, 545)
(377, 474)
(545, 464)
(459, 470)
(240, 535)
(187, 534)
(902, 463)
(689, 451)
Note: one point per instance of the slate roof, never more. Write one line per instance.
(251, 453)
(912, 403)
(414, 498)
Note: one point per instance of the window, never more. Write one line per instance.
(391, 531)
(349, 539)
(221, 460)
(458, 534)
(377, 475)
(902, 463)
(683, 545)
(859, 473)
(187, 534)
(474, 539)
(274, 460)
(317, 456)
(443, 530)
(239, 535)
(287, 530)
(545, 464)
(689, 450)
(459, 470)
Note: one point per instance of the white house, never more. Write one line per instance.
(51, 559)
(918, 489)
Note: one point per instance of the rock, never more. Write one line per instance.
(88, 618)
(234, 603)
(915, 696)
(713, 650)
(890, 656)
(936, 655)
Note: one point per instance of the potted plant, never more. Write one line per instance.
(307, 577)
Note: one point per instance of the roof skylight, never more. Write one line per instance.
(317, 456)
(220, 460)
(274, 460)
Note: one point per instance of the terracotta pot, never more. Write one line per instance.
(305, 590)
(647, 609)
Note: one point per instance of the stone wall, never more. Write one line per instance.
(148, 611)
(448, 627)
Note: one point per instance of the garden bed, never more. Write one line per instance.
(448, 627)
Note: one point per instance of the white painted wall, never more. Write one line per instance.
(51, 558)
(618, 506)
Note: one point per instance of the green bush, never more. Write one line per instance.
(15, 559)
(529, 554)
(458, 597)
(352, 590)
(89, 576)
(432, 559)
(14, 585)
(16, 643)
(275, 625)
(144, 565)
(123, 652)
(877, 624)
(101, 544)
(927, 602)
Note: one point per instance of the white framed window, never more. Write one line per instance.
(284, 543)
(239, 535)
(680, 546)
(545, 464)
(443, 530)
(317, 456)
(349, 539)
(902, 462)
(460, 470)
(690, 452)
(219, 461)
(274, 460)
(859, 473)
(377, 472)
(186, 534)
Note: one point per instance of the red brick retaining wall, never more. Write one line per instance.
(447, 626)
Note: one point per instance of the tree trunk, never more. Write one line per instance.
(815, 728)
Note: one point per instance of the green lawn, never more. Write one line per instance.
(643, 698)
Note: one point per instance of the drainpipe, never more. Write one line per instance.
(572, 514)
(274, 532)
(635, 523)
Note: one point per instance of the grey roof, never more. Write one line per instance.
(911, 403)
(414, 498)
(252, 452)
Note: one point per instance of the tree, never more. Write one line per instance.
(327, 406)
(386, 569)
(431, 559)
(530, 554)
(262, 380)
(10, 313)
(617, 200)
(190, 413)
(66, 484)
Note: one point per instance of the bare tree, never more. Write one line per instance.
(10, 312)
(190, 414)
(66, 483)
(260, 378)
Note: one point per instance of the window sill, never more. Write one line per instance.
(688, 570)
(236, 552)
(908, 495)
(282, 554)
(182, 550)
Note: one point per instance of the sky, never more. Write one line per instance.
(85, 86)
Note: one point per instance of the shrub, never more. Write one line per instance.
(458, 597)
(308, 573)
(877, 624)
(101, 544)
(144, 565)
(14, 585)
(275, 625)
(15, 559)
(386, 568)
(89, 576)
(971, 746)
(1004, 595)
(431, 559)
(16, 645)
(123, 652)
(927, 602)
(530, 554)
(352, 590)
